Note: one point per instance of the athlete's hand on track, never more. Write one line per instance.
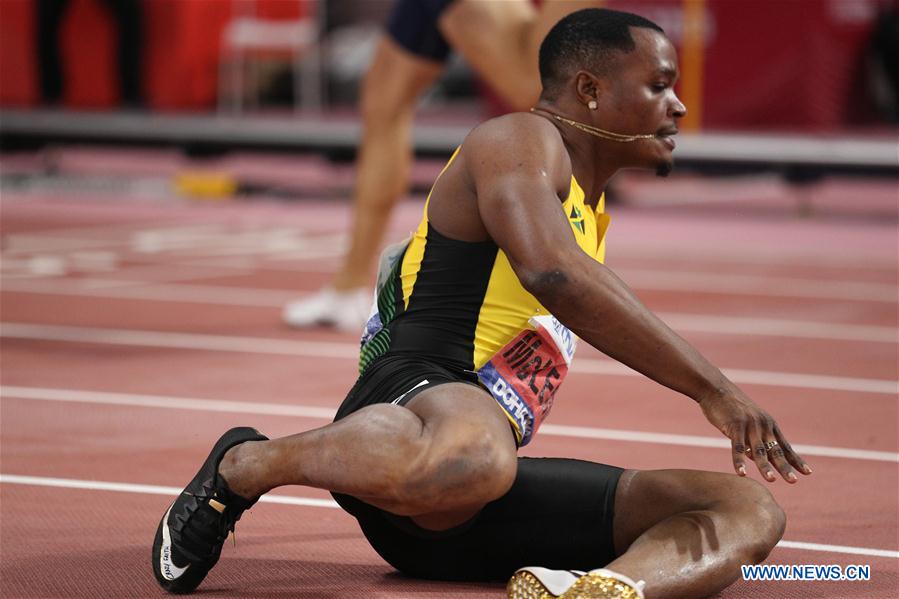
(751, 431)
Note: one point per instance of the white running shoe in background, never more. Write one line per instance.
(343, 310)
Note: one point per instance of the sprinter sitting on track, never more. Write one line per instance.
(462, 361)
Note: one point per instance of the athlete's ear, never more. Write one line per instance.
(587, 88)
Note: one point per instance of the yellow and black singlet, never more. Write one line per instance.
(458, 303)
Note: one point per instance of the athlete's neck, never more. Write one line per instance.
(590, 156)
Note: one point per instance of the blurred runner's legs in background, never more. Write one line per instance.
(502, 50)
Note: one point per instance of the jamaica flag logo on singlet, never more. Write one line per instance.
(576, 218)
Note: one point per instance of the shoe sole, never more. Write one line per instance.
(525, 585)
(190, 580)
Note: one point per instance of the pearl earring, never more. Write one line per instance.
(591, 104)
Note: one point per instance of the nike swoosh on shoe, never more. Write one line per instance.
(166, 566)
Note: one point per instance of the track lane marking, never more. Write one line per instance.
(751, 285)
(638, 249)
(96, 485)
(274, 298)
(194, 294)
(91, 485)
(758, 285)
(326, 349)
(775, 327)
(838, 549)
(630, 247)
(277, 409)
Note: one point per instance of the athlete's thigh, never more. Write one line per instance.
(497, 49)
(459, 414)
(558, 514)
(396, 79)
(649, 496)
(469, 454)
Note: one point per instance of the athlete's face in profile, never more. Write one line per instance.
(639, 98)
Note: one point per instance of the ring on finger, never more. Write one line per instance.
(768, 447)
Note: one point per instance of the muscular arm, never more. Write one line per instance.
(518, 200)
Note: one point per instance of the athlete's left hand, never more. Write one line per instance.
(752, 431)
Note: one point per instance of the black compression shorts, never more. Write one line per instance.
(558, 514)
(413, 25)
(397, 379)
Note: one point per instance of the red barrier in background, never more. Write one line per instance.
(770, 64)
(182, 41)
(18, 64)
(181, 62)
(777, 64)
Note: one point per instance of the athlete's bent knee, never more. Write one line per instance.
(771, 521)
(467, 474)
(761, 515)
(405, 432)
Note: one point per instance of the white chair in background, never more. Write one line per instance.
(248, 35)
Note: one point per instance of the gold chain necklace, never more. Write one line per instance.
(602, 133)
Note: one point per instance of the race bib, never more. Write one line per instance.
(525, 374)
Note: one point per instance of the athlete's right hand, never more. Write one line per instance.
(752, 431)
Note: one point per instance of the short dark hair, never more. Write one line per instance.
(587, 37)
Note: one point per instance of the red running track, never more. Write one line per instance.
(135, 332)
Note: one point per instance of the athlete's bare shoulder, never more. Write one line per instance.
(520, 143)
(514, 159)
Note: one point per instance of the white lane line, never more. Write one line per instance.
(756, 285)
(637, 248)
(693, 282)
(91, 485)
(838, 549)
(109, 235)
(627, 247)
(167, 402)
(96, 485)
(154, 274)
(715, 442)
(324, 349)
(274, 298)
(28, 243)
(735, 325)
(261, 345)
(194, 294)
(759, 377)
(278, 409)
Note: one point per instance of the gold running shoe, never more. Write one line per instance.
(542, 583)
